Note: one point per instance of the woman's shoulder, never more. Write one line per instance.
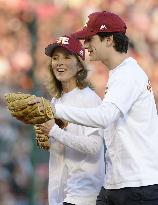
(89, 91)
(89, 96)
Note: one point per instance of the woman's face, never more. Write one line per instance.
(64, 65)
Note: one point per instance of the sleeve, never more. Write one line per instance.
(123, 91)
(90, 143)
(53, 100)
(101, 116)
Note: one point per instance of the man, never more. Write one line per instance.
(129, 112)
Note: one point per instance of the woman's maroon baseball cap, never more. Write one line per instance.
(101, 22)
(70, 43)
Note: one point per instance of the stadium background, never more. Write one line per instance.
(26, 27)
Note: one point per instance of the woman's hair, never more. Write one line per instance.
(121, 41)
(54, 86)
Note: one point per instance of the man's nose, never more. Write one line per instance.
(86, 44)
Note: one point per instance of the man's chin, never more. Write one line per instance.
(92, 58)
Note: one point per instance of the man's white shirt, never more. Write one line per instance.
(129, 111)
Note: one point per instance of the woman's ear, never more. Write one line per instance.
(79, 66)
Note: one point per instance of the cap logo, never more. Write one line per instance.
(86, 22)
(103, 27)
(63, 40)
(81, 52)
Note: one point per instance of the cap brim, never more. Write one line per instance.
(50, 48)
(83, 34)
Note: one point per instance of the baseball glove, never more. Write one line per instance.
(18, 104)
(42, 140)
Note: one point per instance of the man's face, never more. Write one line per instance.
(95, 48)
(100, 50)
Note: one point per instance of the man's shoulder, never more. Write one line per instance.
(128, 69)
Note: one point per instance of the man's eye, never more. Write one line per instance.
(87, 40)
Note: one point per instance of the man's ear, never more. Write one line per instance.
(109, 41)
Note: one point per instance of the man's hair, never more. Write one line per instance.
(54, 86)
(121, 41)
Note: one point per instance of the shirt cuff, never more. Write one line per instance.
(54, 132)
(57, 110)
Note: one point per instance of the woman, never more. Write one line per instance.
(76, 166)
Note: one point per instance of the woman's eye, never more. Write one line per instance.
(54, 58)
(67, 57)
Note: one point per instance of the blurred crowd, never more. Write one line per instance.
(26, 28)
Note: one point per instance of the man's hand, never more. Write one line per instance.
(46, 127)
(39, 101)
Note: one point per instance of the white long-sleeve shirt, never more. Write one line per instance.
(80, 153)
(91, 144)
(101, 116)
(129, 110)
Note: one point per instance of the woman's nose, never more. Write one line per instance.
(59, 62)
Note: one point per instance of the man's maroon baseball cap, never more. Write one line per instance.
(70, 43)
(101, 22)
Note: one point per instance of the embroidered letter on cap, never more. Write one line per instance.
(86, 22)
(81, 52)
(103, 27)
(63, 40)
